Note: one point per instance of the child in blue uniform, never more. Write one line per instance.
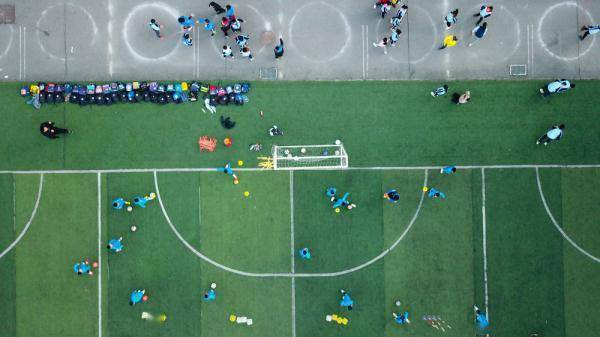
(340, 202)
(433, 193)
(211, 294)
(83, 268)
(115, 244)
(136, 296)
(119, 203)
(227, 170)
(402, 318)
(448, 170)
(392, 196)
(346, 300)
(305, 253)
(480, 319)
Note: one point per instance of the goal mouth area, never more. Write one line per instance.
(309, 157)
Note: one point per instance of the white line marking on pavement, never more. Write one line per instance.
(556, 225)
(484, 223)
(10, 41)
(362, 32)
(292, 275)
(24, 52)
(367, 50)
(541, 23)
(529, 46)
(292, 253)
(33, 213)
(532, 52)
(99, 255)
(20, 52)
(111, 10)
(256, 169)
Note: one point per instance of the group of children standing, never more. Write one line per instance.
(229, 23)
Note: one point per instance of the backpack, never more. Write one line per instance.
(229, 89)
(237, 88)
(184, 86)
(91, 88)
(245, 88)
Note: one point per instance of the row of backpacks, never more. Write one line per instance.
(134, 92)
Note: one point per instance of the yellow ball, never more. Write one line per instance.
(235, 181)
(240, 163)
(425, 189)
(246, 193)
(337, 210)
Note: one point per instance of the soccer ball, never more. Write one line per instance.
(213, 286)
(425, 189)
(338, 142)
(287, 152)
(236, 181)
(337, 153)
(397, 303)
(302, 150)
(129, 208)
(133, 228)
(152, 195)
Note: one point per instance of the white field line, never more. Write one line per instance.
(256, 169)
(557, 226)
(485, 268)
(199, 207)
(26, 228)
(292, 275)
(292, 253)
(99, 255)
(14, 204)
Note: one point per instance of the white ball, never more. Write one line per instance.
(129, 208)
(337, 153)
(398, 303)
(133, 228)
(338, 142)
(213, 285)
(152, 195)
(303, 150)
(286, 151)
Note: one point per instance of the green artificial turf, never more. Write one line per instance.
(50, 298)
(391, 123)
(537, 281)
(525, 256)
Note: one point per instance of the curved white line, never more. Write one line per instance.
(562, 232)
(332, 274)
(24, 231)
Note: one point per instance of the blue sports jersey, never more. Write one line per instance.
(115, 244)
(346, 301)
(448, 169)
(482, 321)
(118, 203)
(136, 296)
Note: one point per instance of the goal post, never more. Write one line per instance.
(309, 157)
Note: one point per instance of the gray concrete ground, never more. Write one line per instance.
(110, 39)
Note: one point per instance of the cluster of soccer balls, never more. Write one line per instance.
(288, 153)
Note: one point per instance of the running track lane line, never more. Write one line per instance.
(33, 213)
(256, 169)
(292, 275)
(562, 232)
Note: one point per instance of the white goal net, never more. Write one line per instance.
(309, 157)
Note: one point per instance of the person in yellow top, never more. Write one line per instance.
(449, 41)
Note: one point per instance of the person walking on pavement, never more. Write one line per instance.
(246, 53)
(156, 26)
(554, 133)
(451, 18)
(484, 12)
(395, 37)
(383, 43)
(225, 25)
(227, 52)
(449, 41)
(478, 33)
(208, 26)
(48, 129)
(396, 20)
(589, 30)
(279, 49)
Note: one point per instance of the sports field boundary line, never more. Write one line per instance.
(256, 169)
(484, 230)
(99, 255)
(293, 266)
(555, 223)
(31, 217)
(292, 275)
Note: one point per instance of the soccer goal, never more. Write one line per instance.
(310, 157)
